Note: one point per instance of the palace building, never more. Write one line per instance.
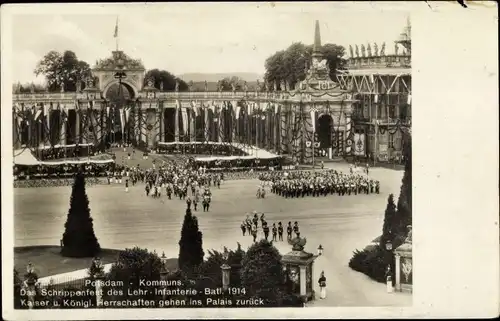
(319, 115)
(381, 85)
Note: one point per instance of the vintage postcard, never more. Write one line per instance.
(215, 158)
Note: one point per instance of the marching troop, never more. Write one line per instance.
(176, 180)
(320, 183)
(250, 226)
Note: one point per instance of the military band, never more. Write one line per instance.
(321, 183)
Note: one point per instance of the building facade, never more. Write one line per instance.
(358, 114)
(381, 85)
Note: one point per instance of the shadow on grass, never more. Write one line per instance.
(48, 260)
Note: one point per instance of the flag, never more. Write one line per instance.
(313, 118)
(409, 99)
(276, 108)
(127, 114)
(237, 112)
(376, 98)
(38, 112)
(116, 29)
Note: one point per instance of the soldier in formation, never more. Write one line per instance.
(321, 183)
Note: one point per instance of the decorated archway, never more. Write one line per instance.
(120, 97)
(325, 130)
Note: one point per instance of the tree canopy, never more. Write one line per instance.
(292, 63)
(166, 78)
(62, 68)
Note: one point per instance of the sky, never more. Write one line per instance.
(195, 37)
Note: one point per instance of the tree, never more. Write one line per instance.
(168, 79)
(389, 222)
(227, 84)
(79, 239)
(291, 64)
(62, 68)
(404, 211)
(138, 269)
(191, 244)
(212, 266)
(262, 273)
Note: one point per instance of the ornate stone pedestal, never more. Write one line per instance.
(404, 268)
(299, 269)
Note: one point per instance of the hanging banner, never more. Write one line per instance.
(38, 112)
(276, 106)
(313, 119)
(359, 144)
(237, 112)
(409, 99)
(107, 111)
(127, 114)
(184, 121)
(122, 119)
(46, 113)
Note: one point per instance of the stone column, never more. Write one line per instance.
(177, 124)
(161, 115)
(85, 127)
(77, 126)
(15, 131)
(398, 272)
(62, 134)
(206, 126)
(303, 280)
(192, 118)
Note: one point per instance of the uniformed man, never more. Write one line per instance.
(188, 202)
(265, 228)
(254, 232)
(275, 232)
(255, 219)
(296, 228)
(289, 230)
(126, 185)
(243, 228)
(280, 231)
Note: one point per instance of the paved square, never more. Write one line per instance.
(340, 223)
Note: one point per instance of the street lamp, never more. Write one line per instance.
(225, 270)
(30, 284)
(388, 247)
(97, 270)
(164, 271)
(320, 250)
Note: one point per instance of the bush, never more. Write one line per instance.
(79, 239)
(373, 262)
(133, 267)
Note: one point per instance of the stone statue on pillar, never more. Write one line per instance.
(233, 87)
(357, 51)
(206, 85)
(282, 85)
(161, 85)
(32, 88)
(363, 51)
(219, 85)
(245, 86)
(369, 50)
(258, 86)
(275, 84)
(396, 48)
(177, 84)
(351, 51)
(191, 85)
(375, 49)
(78, 85)
(382, 49)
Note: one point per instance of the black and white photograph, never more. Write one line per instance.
(211, 156)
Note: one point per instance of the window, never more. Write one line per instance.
(391, 141)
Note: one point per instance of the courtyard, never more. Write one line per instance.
(123, 220)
